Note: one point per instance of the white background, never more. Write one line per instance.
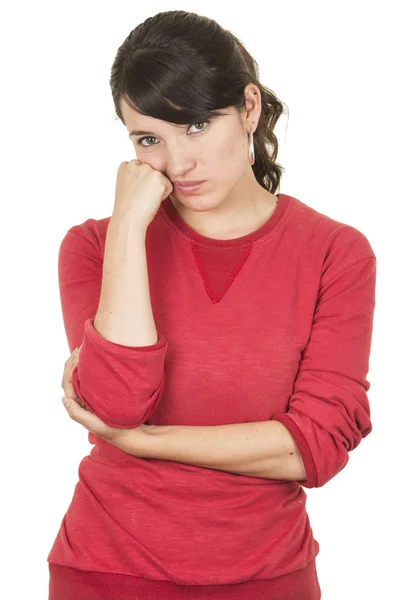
(333, 64)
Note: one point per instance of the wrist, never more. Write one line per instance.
(124, 222)
(149, 441)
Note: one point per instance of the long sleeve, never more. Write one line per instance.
(329, 410)
(122, 385)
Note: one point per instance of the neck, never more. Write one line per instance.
(233, 217)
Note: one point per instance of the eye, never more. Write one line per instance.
(150, 137)
(199, 123)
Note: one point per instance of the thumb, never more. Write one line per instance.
(78, 413)
(66, 402)
(87, 418)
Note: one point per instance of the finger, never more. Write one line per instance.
(67, 385)
(81, 403)
(67, 382)
(72, 358)
(87, 419)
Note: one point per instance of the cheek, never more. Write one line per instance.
(230, 161)
(231, 149)
(222, 162)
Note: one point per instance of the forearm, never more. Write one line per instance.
(262, 449)
(124, 314)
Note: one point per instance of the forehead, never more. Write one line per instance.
(135, 119)
(129, 113)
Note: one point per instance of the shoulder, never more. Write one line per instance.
(88, 237)
(335, 240)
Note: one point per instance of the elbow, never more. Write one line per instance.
(122, 385)
(117, 405)
(322, 454)
(333, 464)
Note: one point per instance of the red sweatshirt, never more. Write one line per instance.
(276, 324)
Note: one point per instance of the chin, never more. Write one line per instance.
(188, 200)
(198, 202)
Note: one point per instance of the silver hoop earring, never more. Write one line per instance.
(251, 149)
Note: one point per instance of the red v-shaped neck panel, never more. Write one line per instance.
(220, 261)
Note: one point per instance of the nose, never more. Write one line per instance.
(179, 162)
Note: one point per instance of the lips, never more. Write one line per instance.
(187, 183)
(189, 189)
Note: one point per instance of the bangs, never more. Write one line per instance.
(164, 87)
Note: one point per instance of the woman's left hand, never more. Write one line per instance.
(130, 440)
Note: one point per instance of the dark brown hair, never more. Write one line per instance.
(182, 68)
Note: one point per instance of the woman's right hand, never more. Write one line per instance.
(140, 189)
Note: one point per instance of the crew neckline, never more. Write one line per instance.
(174, 219)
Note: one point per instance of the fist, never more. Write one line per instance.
(140, 189)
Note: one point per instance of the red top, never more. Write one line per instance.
(276, 324)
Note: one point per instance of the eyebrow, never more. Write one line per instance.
(140, 132)
(131, 133)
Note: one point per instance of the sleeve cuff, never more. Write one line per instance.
(120, 349)
(303, 447)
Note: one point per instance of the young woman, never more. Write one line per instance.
(224, 333)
